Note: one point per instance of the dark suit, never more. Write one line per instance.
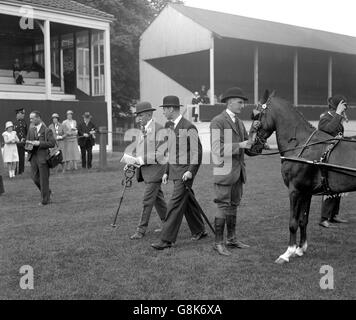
(21, 129)
(183, 157)
(151, 174)
(229, 160)
(2, 171)
(331, 123)
(38, 159)
(86, 144)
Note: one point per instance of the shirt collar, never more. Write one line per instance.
(232, 115)
(176, 121)
(38, 127)
(148, 124)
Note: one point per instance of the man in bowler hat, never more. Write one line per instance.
(20, 126)
(229, 172)
(86, 140)
(331, 122)
(39, 140)
(184, 160)
(151, 168)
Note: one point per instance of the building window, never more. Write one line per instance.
(83, 63)
(55, 57)
(98, 64)
(39, 54)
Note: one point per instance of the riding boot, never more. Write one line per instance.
(219, 237)
(232, 241)
(2, 189)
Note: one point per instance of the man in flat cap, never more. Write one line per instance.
(86, 140)
(229, 142)
(20, 126)
(151, 168)
(185, 157)
(331, 122)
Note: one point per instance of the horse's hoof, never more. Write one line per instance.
(299, 252)
(281, 261)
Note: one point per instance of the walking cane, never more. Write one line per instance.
(130, 172)
(192, 196)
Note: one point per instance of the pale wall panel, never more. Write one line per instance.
(172, 33)
(155, 85)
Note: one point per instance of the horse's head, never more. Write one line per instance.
(266, 127)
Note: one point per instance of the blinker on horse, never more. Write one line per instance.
(298, 139)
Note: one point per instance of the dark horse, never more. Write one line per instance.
(303, 180)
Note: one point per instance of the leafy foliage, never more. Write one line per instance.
(132, 17)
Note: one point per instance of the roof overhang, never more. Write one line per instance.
(15, 8)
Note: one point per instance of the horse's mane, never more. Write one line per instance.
(293, 108)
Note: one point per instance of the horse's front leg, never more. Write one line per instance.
(303, 223)
(296, 204)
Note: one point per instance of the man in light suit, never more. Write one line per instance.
(185, 157)
(151, 168)
(39, 140)
(229, 142)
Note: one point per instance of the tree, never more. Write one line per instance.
(131, 18)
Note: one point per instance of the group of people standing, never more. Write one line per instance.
(67, 137)
(228, 184)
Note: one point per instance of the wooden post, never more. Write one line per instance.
(212, 72)
(330, 76)
(103, 132)
(295, 80)
(256, 67)
(47, 54)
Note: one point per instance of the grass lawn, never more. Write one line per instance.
(75, 255)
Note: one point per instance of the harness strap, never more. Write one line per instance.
(324, 171)
(306, 145)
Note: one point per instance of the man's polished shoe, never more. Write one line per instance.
(237, 244)
(220, 248)
(325, 224)
(337, 220)
(161, 245)
(199, 236)
(43, 204)
(137, 236)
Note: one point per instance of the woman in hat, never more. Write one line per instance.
(2, 172)
(58, 133)
(11, 156)
(71, 149)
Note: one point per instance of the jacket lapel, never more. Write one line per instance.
(179, 126)
(232, 124)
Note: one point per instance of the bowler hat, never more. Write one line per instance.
(8, 125)
(171, 101)
(143, 107)
(87, 115)
(234, 92)
(335, 100)
(21, 110)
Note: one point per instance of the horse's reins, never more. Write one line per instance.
(306, 145)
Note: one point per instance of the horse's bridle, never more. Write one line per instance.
(260, 140)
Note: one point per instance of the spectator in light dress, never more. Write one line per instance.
(58, 133)
(11, 156)
(71, 153)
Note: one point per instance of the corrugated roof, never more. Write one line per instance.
(66, 6)
(238, 27)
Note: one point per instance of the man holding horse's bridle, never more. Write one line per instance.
(331, 122)
(229, 143)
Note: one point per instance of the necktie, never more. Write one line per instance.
(36, 133)
(169, 125)
(237, 125)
